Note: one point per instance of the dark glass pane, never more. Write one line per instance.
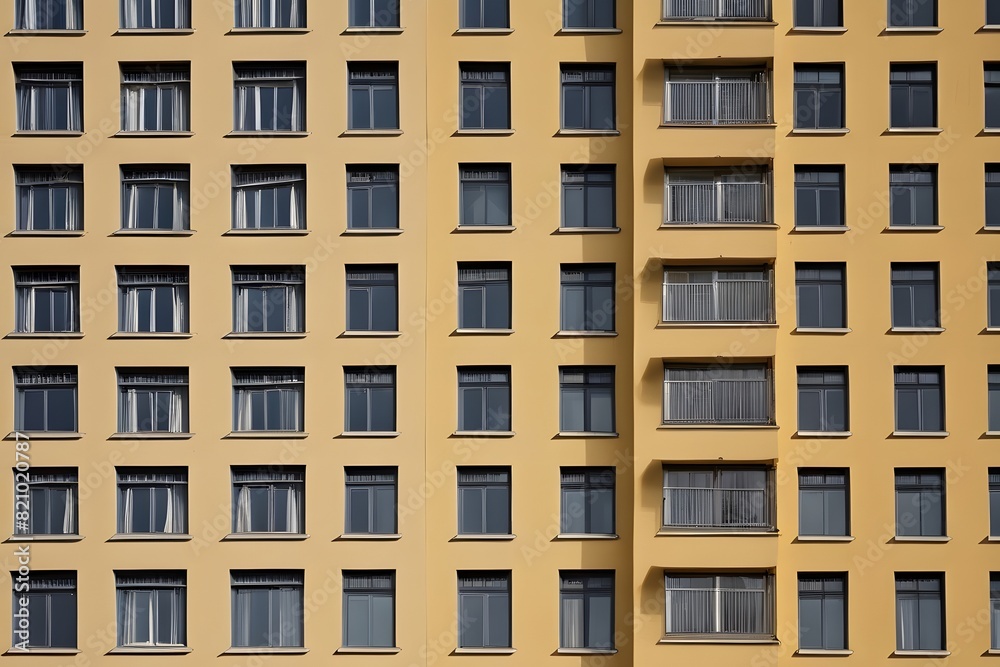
(600, 207)
(498, 306)
(472, 307)
(471, 510)
(471, 107)
(498, 510)
(164, 207)
(923, 106)
(472, 16)
(899, 97)
(573, 107)
(259, 509)
(276, 309)
(384, 308)
(62, 409)
(384, 102)
(495, 113)
(145, 308)
(258, 413)
(142, 510)
(63, 619)
(809, 410)
(266, 208)
(830, 107)
(494, 13)
(358, 310)
(360, 13)
(164, 308)
(804, 13)
(267, 120)
(602, 114)
(160, 509)
(284, 112)
(358, 208)
(472, 621)
(829, 207)
(575, 13)
(143, 411)
(384, 207)
(357, 410)
(387, 13)
(163, 400)
(361, 110)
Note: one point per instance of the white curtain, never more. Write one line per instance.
(135, 98)
(131, 13)
(69, 527)
(141, 609)
(292, 511)
(35, 103)
(178, 197)
(289, 601)
(293, 309)
(248, 186)
(25, 314)
(243, 510)
(572, 623)
(127, 509)
(908, 631)
(249, 83)
(264, 14)
(176, 412)
(130, 310)
(995, 620)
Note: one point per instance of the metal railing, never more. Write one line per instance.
(717, 102)
(717, 401)
(715, 202)
(745, 10)
(720, 301)
(715, 611)
(699, 507)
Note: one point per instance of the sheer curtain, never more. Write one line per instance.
(172, 481)
(139, 84)
(175, 182)
(37, 100)
(270, 597)
(46, 15)
(29, 282)
(250, 81)
(266, 14)
(132, 14)
(272, 480)
(249, 188)
(151, 609)
(36, 190)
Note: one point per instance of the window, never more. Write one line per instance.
(819, 13)
(152, 501)
(484, 14)
(373, 93)
(49, 97)
(919, 612)
(730, 96)
(587, 297)
(153, 300)
(51, 608)
(372, 297)
(914, 196)
(484, 295)
(45, 399)
(991, 86)
(718, 498)
(589, 14)
(371, 399)
(919, 398)
(994, 490)
(733, 606)
(588, 97)
(48, 15)
(588, 195)
(739, 195)
(484, 609)
(823, 399)
(483, 501)
(49, 198)
(51, 494)
(915, 295)
(371, 501)
(819, 196)
(913, 95)
(484, 398)
(823, 502)
(269, 299)
(993, 388)
(48, 300)
(912, 13)
(485, 96)
(156, 198)
(485, 195)
(735, 10)
(736, 394)
(587, 498)
(993, 289)
(269, 499)
(823, 611)
(156, 98)
(152, 400)
(372, 197)
(155, 14)
(269, 97)
(819, 96)
(587, 399)
(374, 13)
(820, 296)
(994, 610)
(993, 195)
(267, 608)
(269, 198)
(268, 399)
(586, 609)
(920, 502)
(270, 13)
(369, 609)
(718, 294)
(152, 609)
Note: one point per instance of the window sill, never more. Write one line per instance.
(584, 536)
(150, 650)
(484, 651)
(670, 427)
(153, 232)
(151, 436)
(46, 232)
(910, 330)
(46, 33)
(586, 434)
(992, 434)
(716, 325)
(388, 132)
(915, 130)
(920, 434)
(149, 537)
(587, 651)
(369, 434)
(268, 31)
(991, 26)
(821, 131)
(266, 232)
(585, 334)
(266, 435)
(44, 538)
(589, 230)
(822, 229)
(154, 31)
(836, 30)
(993, 651)
(824, 538)
(718, 225)
(265, 650)
(482, 133)
(477, 229)
(266, 133)
(45, 435)
(824, 434)
(589, 31)
(377, 537)
(152, 135)
(921, 538)
(45, 334)
(372, 30)
(483, 538)
(488, 332)
(838, 331)
(667, 532)
(928, 29)
(913, 228)
(588, 133)
(716, 640)
(43, 651)
(370, 334)
(141, 335)
(368, 649)
(489, 31)
(264, 335)
(47, 133)
(483, 434)
(266, 537)
(824, 651)
(992, 130)
(372, 232)
(921, 654)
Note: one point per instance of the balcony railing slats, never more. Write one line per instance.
(721, 301)
(746, 10)
(717, 102)
(717, 401)
(698, 507)
(717, 202)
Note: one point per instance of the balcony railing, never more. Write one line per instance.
(730, 10)
(717, 401)
(717, 202)
(732, 509)
(715, 612)
(717, 102)
(719, 301)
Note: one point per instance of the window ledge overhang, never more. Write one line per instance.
(48, 133)
(483, 434)
(587, 434)
(265, 650)
(821, 30)
(992, 130)
(824, 651)
(266, 435)
(915, 130)
(46, 232)
(701, 23)
(488, 332)
(141, 335)
(991, 26)
(149, 537)
(921, 538)
(716, 325)
(395, 231)
(920, 434)
(765, 125)
(372, 30)
(821, 131)
(266, 537)
(993, 651)
(911, 330)
(266, 232)
(585, 537)
(822, 229)
(493, 31)
(369, 649)
(587, 651)
(824, 434)
(475, 229)
(268, 31)
(589, 31)
(588, 230)
(267, 133)
(153, 232)
(45, 435)
(369, 434)
(370, 334)
(45, 334)
(921, 654)
(912, 228)
(913, 30)
(992, 434)
(45, 33)
(667, 532)
(824, 538)
(718, 225)
(839, 331)
(387, 132)
(151, 436)
(670, 427)
(483, 538)
(150, 650)
(376, 537)
(42, 651)
(154, 31)
(993, 538)
(716, 640)
(587, 133)
(44, 538)
(473, 132)
(152, 134)
(264, 335)
(484, 651)
(585, 334)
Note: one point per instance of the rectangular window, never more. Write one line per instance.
(485, 195)
(824, 502)
(268, 399)
(913, 95)
(820, 296)
(49, 97)
(920, 502)
(48, 15)
(819, 96)
(587, 399)
(912, 13)
(919, 611)
(483, 501)
(374, 13)
(372, 297)
(733, 606)
(919, 398)
(51, 495)
(370, 399)
(267, 608)
(156, 198)
(485, 92)
(587, 300)
(993, 194)
(269, 198)
(823, 611)
(718, 294)
(373, 197)
(484, 617)
(915, 295)
(718, 498)
(587, 609)
(993, 294)
(155, 14)
(735, 394)
(710, 196)
(991, 91)
(373, 96)
(994, 491)
(269, 299)
(156, 97)
(588, 97)
(152, 501)
(45, 400)
(587, 501)
(270, 13)
(152, 609)
(819, 13)
(269, 97)
(370, 609)
(484, 295)
(993, 388)
(49, 197)
(588, 195)
(152, 300)
(819, 196)
(484, 398)
(48, 299)
(484, 14)
(730, 96)
(589, 14)
(371, 501)
(51, 608)
(733, 10)
(152, 400)
(269, 499)
(994, 610)
(823, 399)
(913, 192)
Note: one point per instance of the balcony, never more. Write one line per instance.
(725, 396)
(717, 10)
(735, 296)
(719, 509)
(723, 98)
(712, 197)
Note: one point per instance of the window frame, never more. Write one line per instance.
(47, 481)
(824, 388)
(766, 523)
(127, 581)
(247, 381)
(173, 181)
(903, 71)
(825, 489)
(921, 386)
(382, 75)
(910, 181)
(595, 479)
(496, 378)
(911, 285)
(590, 287)
(716, 286)
(993, 489)
(481, 284)
(61, 185)
(592, 386)
(591, 9)
(818, 4)
(827, 598)
(154, 279)
(297, 9)
(370, 592)
(819, 283)
(483, 478)
(273, 179)
(32, 77)
(182, 15)
(372, 179)
(470, 586)
(46, 585)
(932, 594)
(371, 280)
(274, 479)
(463, 19)
(893, 16)
(484, 80)
(932, 495)
(588, 179)
(728, 206)
(714, 374)
(592, 587)
(377, 481)
(373, 11)
(818, 90)
(275, 582)
(379, 378)
(767, 592)
(73, 20)
(53, 378)
(259, 281)
(482, 178)
(251, 77)
(587, 91)
(30, 282)
(153, 381)
(817, 186)
(155, 78)
(174, 480)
